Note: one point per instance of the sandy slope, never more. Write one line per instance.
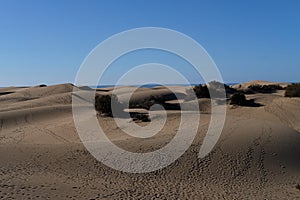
(257, 156)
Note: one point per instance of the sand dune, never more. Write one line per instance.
(257, 156)
(257, 82)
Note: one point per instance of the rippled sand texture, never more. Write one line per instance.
(257, 156)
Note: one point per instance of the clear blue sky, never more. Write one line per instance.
(46, 41)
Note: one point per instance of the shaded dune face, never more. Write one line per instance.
(42, 156)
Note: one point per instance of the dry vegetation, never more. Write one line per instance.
(239, 99)
(265, 88)
(292, 90)
(104, 103)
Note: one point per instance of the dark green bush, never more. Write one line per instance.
(104, 103)
(292, 90)
(218, 88)
(217, 85)
(200, 91)
(151, 100)
(146, 103)
(142, 117)
(239, 99)
(265, 88)
(203, 91)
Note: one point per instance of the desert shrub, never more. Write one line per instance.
(104, 103)
(142, 117)
(146, 103)
(151, 100)
(217, 85)
(202, 91)
(292, 90)
(239, 99)
(190, 94)
(230, 90)
(265, 88)
(218, 88)
(298, 186)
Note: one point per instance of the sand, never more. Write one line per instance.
(257, 156)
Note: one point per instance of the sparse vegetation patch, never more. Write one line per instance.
(265, 88)
(239, 99)
(141, 117)
(292, 90)
(203, 91)
(104, 103)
